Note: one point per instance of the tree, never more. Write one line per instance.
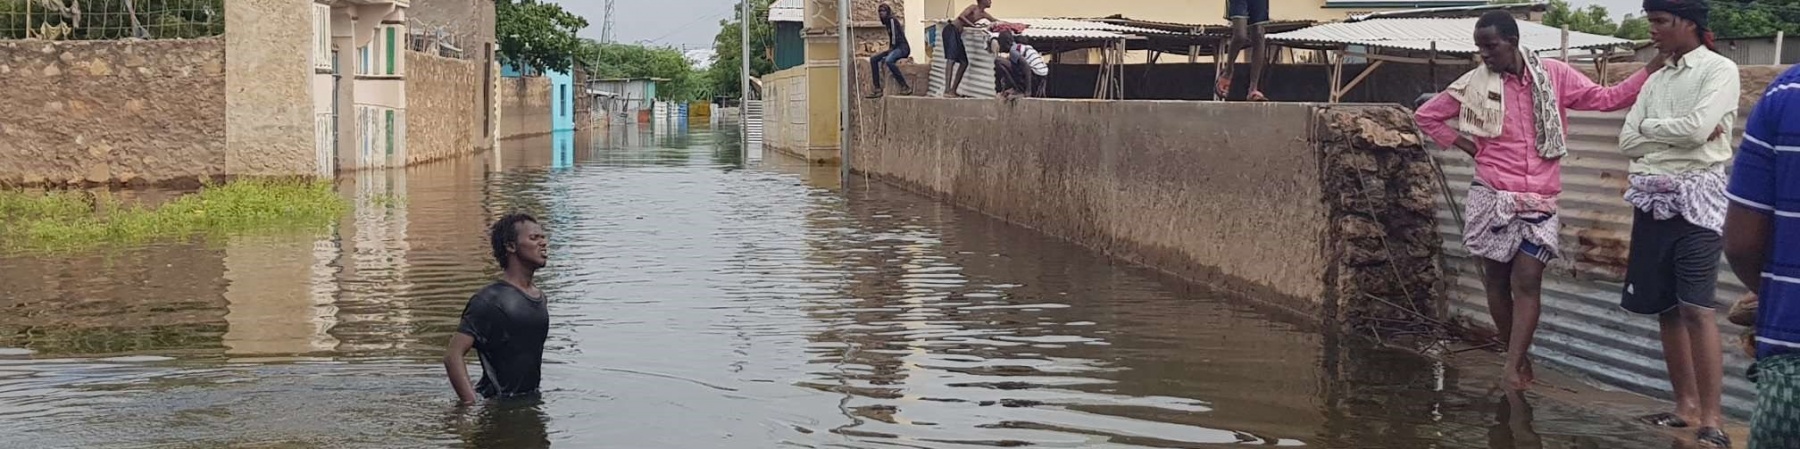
(1591, 19)
(1755, 19)
(728, 45)
(1634, 28)
(684, 83)
(536, 34)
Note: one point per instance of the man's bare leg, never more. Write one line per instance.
(1222, 76)
(956, 83)
(1498, 283)
(1678, 354)
(1527, 290)
(1708, 362)
(1258, 60)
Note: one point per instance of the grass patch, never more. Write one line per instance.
(73, 220)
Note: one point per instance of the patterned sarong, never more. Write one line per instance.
(1697, 196)
(1502, 224)
(1776, 423)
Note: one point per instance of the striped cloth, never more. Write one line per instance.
(1766, 178)
(1698, 196)
(1499, 222)
(1032, 59)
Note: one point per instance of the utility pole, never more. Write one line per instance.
(744, 80)
(844, 79)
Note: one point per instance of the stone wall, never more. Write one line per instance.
(112, 112)
(1248, 197)
(443, 99)
(268, 121)
(524, 106)
(471, 21)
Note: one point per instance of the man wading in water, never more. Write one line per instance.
(1510, 117)
(1675, 138)
(506, 322)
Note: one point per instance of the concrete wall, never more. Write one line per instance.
(268, 98)
(784, 112)
(1253, 201)
(112, 112)
(524, 106)
(443, 103)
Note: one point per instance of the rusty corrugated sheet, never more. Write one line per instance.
(1583, 328)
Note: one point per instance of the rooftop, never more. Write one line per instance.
(1454, 36)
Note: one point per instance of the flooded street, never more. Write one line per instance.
(697, 302)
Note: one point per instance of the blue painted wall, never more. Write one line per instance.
(562, 101)
(562, 94)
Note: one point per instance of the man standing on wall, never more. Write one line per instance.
(1675, 136)
(507, 322)
(955, 53)
(1762, 242)
(897, 50)
(1247, 20)
(1509, 117)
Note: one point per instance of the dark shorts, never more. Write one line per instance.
(953, 45)
(1673, 262)
(1253, 11)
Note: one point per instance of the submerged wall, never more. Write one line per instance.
(1252, 198)
(444, 104)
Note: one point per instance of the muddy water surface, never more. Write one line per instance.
(697, 302)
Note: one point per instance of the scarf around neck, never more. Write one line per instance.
(1482, 93)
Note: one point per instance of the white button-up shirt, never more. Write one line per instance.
(1667, 131)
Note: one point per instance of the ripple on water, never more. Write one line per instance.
(694, 304)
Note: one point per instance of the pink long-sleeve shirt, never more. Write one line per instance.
(1510, 161)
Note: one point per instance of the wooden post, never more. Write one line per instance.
(1431, 65)
(1565, 43)
(1337, 74)
(1780, 38)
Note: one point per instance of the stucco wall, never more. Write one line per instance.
(112, 112)
(524, 106)
(268, 96)
(1237, 195)
(443, 103)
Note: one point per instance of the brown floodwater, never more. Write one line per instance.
(701, 301)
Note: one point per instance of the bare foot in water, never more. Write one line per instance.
(1518, 378)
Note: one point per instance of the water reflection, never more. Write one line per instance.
(697, 302)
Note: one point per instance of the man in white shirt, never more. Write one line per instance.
(1675, 138)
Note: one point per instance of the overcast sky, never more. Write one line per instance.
(693, 23)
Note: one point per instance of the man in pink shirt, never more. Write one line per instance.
(1510, 113)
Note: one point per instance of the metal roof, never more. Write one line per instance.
(787, 11)
(1044, 29)
(1453, 11)
(1453, 36)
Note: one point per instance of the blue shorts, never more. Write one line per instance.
(1255, 12)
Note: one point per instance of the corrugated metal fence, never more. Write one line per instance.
(1583, 328)
(978, 82)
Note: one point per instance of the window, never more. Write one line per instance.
(382, 55)
(321, 36)
(391, 42)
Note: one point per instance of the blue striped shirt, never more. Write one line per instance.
(1766, 177)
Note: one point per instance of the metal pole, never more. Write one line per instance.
(744, 80)
(1780, 38)
(844, 66)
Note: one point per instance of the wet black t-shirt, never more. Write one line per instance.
(509, 329)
